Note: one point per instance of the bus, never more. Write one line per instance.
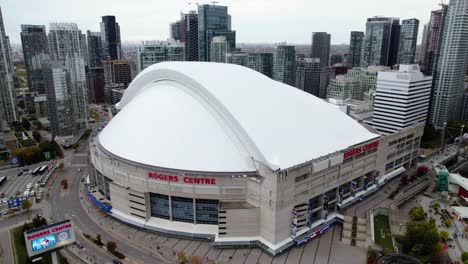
(36, 170)
(2, 180)
(42, 169)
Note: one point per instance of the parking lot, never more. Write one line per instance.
(15, 183)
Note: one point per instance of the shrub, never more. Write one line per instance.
(111, 246)
(464, 256)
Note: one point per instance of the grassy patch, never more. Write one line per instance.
(383, 235)
(19, 248)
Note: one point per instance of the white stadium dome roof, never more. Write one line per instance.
(216, 117)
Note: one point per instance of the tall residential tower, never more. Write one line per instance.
(450, 65)
(67, 95)
(110, 35)
(408, 41)
(321, 47)
(355, 47)
(380, 46)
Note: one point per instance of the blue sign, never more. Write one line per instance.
(43, 242)
(15, 160)
(16, 202)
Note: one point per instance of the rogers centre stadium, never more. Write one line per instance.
(222, 152)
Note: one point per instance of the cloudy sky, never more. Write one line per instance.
(256, 21)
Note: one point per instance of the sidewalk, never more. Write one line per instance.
(149, 246)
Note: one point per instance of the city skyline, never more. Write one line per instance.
(157, 17)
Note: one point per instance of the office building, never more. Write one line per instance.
(355, 47)
(40, 106)
(343, 87)
(7, 88)
(380, 45)
(191, 36)
(326, 75)
(117, 75)
(177, 30)
(236, 57)
(321, 47)
(284, 68)
(36, 55)
(336, 58)
(308, 75)
(401, 100)
(310, 174)
(450, 65)
(152, 52)
(408, 41)
(67, 93)
(95, 52)
(432, 40)
(219, 48)
(261, 62)
(213, 20)
(95, 70)
(110, 37)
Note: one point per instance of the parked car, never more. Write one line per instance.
(20, 173)
(2, 195)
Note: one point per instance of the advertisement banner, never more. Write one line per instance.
(49, 237)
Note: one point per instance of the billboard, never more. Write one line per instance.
(16, 202)
(49, 237)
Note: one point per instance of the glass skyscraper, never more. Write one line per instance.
(110, 34)
(408, 41)
(285, 64)
(380, 46)
(321, 47)
(213, 20)
(36, 55)
(355, 47)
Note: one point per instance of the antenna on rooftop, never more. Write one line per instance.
(214, 2)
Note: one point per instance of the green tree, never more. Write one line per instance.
(421, 238)
(464, 256)
(444, 234)
(98, 240)
(39, 221)
(61, 165)
(75, 145)
(436, 205)
(111, 246)
(37, 124)
(448, 222)
(417, 213)
(37, 136)
(26, 205)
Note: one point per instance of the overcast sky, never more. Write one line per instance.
(256, 21)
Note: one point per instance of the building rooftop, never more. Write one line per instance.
(220, 117)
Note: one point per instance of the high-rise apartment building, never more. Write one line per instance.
(355, 47)
(110, 35)
(191, 36)
(284, 69)
(344, 87)
(118, 75)
(236, 57)
(401, 100)
(152, 52)
(450, 65)
(408, 41)
(321, 47)
(36, 56)
(69, 85)
(7, 88)
(213, 20)
(368, 79)
(432, 39)
(380, 45)
(219, 48)
(308, 75)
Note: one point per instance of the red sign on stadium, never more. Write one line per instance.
(358, 150)
(185, 179)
